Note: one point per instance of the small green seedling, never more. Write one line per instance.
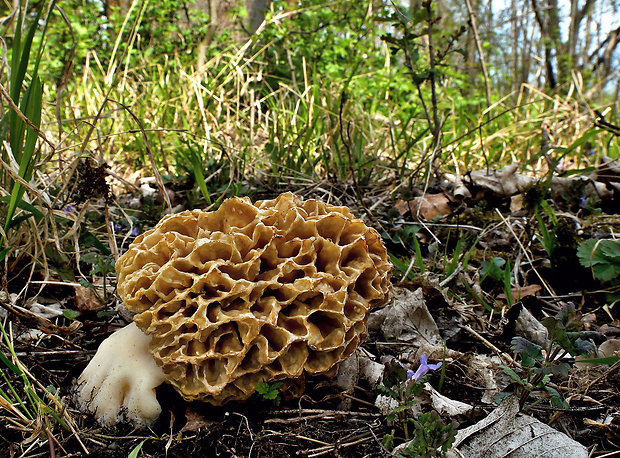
(602, 256)
(270, 392)
(102, 265)
(538, 366)
(432, 438)
(429, 437)
(493, 268)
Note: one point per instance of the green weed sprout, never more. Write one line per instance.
(602, 256)
(429, 436)
(270, 392)
(23, 402)
(565, 337)
(499, 270)
(102, 265)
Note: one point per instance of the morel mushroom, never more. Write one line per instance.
(248, 294)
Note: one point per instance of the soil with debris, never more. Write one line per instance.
(326, 420)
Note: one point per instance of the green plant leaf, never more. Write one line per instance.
(582, 347)
(609, 360)
(134, 453)
(508, 285)
(12, 367)
(569, 317)
(394, 374)
(530, 352)
(602, 256)
(559, 368)
(493, 269)
(269, 391)
(556, 399)
(610, 248)
(388, 441)
(512, 374)
(382, 389)
(71, 314)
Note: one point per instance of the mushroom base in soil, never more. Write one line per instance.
(227, 299)
(119, 383)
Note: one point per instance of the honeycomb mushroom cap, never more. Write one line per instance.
(252, 293)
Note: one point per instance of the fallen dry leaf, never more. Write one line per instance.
(406, 319)
(195, 421)
(86, 300)
(426, 207)
(505, 432)
(522, 292)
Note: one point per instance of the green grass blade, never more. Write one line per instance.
(20, 60)
(33, 112)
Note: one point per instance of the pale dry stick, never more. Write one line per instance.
(44, 322)
(67, 172)
(47, 354)
(131, 186)
(331, 448)
(10, 407)
(4, 60)
(110, 229)
(11, 170)
(296, 436)
(386, 452)
(51, 226)
(131, 226)
(149, 152)
(39, 253)
(317, 414)
(449, 278)
(474, 28)
(247, 424)
(516, 269)
(309, 439)
(170, 435)
(488, 344)
(427, 184)
(616, 453)
(530, 260)
(406, 274)
(613, 368)
(361, 401)
(454, 226)
(59, 283)
(36, 441)
(76, 240)
(68, 215)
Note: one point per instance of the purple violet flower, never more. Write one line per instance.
(422, 369)
(583, 202)
(134, 231)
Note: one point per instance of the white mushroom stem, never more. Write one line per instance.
(119, 383)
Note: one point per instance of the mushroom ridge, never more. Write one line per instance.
(253, 292)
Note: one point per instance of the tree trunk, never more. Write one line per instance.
(256, 13)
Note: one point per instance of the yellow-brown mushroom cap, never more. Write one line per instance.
(253, 292)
